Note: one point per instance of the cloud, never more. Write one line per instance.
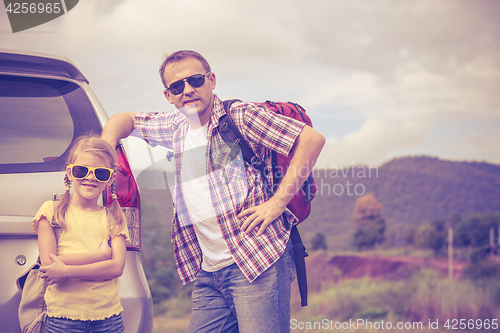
(398, 116)
(380, 78)
(373, 142)
(388, 36)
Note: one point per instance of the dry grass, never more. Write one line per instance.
(423, 296)
(163, 324)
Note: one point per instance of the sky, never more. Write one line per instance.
(380, 78)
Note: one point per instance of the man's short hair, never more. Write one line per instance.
(178, 56)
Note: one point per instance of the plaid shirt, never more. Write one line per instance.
(233, 187)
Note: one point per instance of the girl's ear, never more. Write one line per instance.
(68, 173)
(111, 182)
(112, 178)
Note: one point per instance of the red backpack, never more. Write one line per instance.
(300, 205)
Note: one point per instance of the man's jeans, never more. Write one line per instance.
(224, 301)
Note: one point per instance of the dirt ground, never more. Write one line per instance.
(323, 267)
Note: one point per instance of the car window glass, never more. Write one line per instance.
(35, 122)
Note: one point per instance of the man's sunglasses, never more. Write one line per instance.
(79, 171)
(194, 81)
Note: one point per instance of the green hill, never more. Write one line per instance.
(412, 190)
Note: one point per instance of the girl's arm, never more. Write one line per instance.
(103, 270)
(46, 241)
(47, 244)
(84, 258)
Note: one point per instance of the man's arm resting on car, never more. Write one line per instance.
(119, 126)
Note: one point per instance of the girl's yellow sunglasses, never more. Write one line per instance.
(102, 174)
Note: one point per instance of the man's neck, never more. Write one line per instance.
(196, 122)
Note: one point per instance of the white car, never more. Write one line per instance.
(45, 103)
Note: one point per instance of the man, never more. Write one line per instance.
(228, 235)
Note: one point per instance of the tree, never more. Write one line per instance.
(410, 235)
(319, 242)
(431, 236)
(369, 229)
(475, 230)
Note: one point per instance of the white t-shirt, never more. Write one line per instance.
(196, 192)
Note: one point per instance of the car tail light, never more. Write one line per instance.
(128, 197)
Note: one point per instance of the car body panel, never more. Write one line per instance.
(26, 185)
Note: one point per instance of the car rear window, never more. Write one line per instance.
(38, 120)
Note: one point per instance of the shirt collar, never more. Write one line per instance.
(217, 112)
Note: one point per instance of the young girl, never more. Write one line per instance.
(83, 264)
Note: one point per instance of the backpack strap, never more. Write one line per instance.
(235, 140)
(232, 136)
(299, 254)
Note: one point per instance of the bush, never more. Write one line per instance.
(475, 230)
(319, 242)
(486, 275)
(424, 296)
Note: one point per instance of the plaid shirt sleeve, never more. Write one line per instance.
(156, 128)
(264, 128)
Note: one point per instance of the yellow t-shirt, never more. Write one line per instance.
(77, 298)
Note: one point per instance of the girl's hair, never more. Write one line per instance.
(92, 144)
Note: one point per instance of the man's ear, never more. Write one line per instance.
(167, 94)
(212, 80)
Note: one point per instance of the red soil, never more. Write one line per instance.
(323, 268)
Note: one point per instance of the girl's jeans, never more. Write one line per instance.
(113, 324)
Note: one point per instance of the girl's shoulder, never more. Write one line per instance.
(117, 227)
(46, 212)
